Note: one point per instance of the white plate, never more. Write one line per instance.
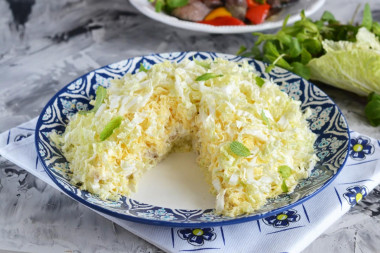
(275, 21)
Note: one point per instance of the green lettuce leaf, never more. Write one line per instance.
(352, 66)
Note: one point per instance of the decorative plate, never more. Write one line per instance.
(326, 121)
(275, 21)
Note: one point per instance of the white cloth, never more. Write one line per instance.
(290, 232)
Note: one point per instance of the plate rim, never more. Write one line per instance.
(193, 26)
(167, 223)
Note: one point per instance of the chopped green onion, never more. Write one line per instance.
(207, 76)
(204, 64)
(264, 118)
(285, 171)
(259, 81)
(142, 68)
(110, 127)
(284, 187)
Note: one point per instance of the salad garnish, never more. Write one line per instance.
(346, 56)
(204, 64)
(239, 149)
(142, 68)
(285, 172)
(207, 76)
(259, 81)
(110, 127)
(265, 119)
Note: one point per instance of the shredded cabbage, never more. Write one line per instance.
(166, 107)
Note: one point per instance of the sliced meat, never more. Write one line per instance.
(213, 3)
(276, 4)
(194, 11)
(238, 8)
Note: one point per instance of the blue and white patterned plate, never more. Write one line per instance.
(326, 121)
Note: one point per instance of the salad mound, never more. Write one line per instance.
(252, 139)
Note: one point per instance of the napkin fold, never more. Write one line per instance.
(288, 231)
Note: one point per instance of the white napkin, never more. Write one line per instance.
(289, 231)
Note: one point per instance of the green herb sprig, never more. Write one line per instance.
(284, 186)
(142, 68)
(239, 149)
(292, 47)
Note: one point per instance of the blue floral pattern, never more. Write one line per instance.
(41, 150)
(197, 236)
(100, 80)
(69, 107)
(320, 117)
(75, 85)
(47, 113)
(355, 194)
(293, 90)
(283, 219)
(63, 168)
(209, 217)
(360, 148)
(21, 136)
(160, 214)
(329, 146)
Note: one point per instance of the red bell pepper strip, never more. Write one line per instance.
(257, 14)
(220, 21)
(251, 3)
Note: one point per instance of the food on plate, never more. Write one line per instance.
(221, 12)
(344, 56)
(252, 139)
(195, 10)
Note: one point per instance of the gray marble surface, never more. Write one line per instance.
(45, 44)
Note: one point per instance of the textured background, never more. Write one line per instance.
(46, 44)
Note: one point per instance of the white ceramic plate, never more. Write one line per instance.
(275, 21)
